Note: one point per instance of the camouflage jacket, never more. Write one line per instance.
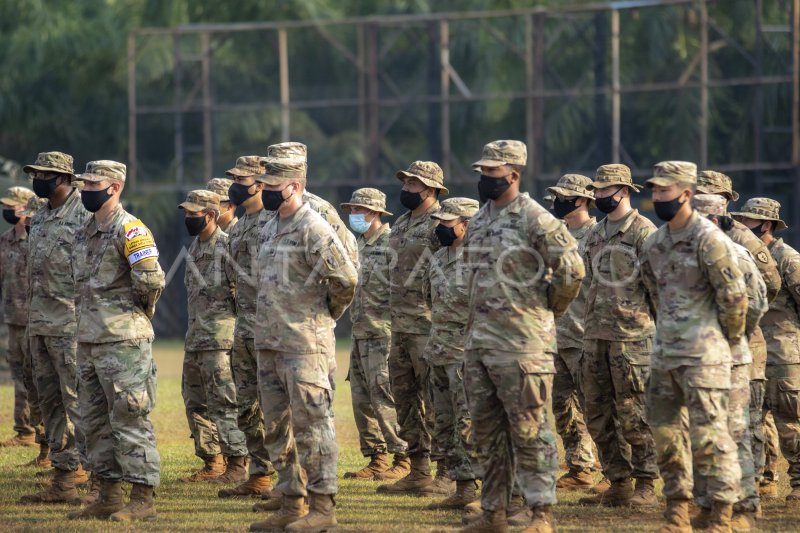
(51, 275)
(781, 324)
(14, 277)
(449, 300)
(243, 270)
(230, 225)
(741, 234)
(370, 310)
(116, 302)
(512, 295)
(210, 294)
(306, 281)
(413, 241)
(569, 326)
(757, 305)
(699, 293)
(617, 308)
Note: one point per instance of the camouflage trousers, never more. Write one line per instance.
(27, 417)
(371, 394)
(783, 401)
(507, 398)
(54, 369)
(739, 428)
(408, 372)
(452, 429)
(568, 411)
(297, 401)
(117, 392)
(772, 446)
(758, 388)
(250, 419)
(614, 378)
(703, 392)
(209, 395)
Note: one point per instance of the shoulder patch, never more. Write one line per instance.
(762, 257)
(139, 242)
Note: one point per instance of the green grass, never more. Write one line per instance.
(195, 507)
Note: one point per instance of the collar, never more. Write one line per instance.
(383, 230)
(288, 225)
(687, 232)
(624, 223)
(61, 212)
(94, 227)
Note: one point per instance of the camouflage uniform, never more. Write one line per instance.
(370, 390)
(567, 394)
(510, 337)
(618, 339)
(781, 327)
(700, 298)
(208, 390)
(52, 323)
(14, 287)
(120, 282)
(221, 186)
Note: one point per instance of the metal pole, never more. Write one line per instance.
(444, 87)
(758, 108)
(530, 102)
(362, 97)
(537, 150)
(132, 111)
(703, 118)
(796, 83)
(208, 147)
(616, 133)
(283, 59)
(178, 117)
(373, 122)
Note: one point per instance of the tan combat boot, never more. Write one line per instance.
(489, 522)
(94, 491)
(644, 495)
(81, 476)
(235, 470)
(43, 459)
(702, 519)
(256, 485)
(742, 522)
(575, 480)
(442, 484)
(466, 493)
(517, 514)
(721, 514)
(768, 489)
(108, 502)
(212, 469)
(677, 517)
(601, 486)
(140, 507)
(20, 439)
(61, 490)
(619, 494)
(542, 521)
(292, 510)
(418, 478)
(321, 516)
(401, 466)
(378, 463)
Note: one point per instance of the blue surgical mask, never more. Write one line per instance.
(359, 224)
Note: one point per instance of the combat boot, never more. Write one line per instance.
(466, 493)
(677, 517)
(542, 521)
(418, 478)
(20, 439)
(575, 480)
(43, 459)
(108, 502)
(140, 507)
(518, 512)
(794, 497)
(743, 522)
(61, 490)
(601, 486)
(321, 516)
(768, 489)
(378, 462)
(617, 495)
(702, 519)
(645, 494)
(94, 491)
(401, 466)
(235, 470)
(489, 522)
(442, 484)
(721, 514)
(292, 510)
(256, 485)
(212, 469)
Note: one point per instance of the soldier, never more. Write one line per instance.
(572, 199)
(691, 273)
(120, 281)
(510, 337)
(306, 281)
(413, 241)
(52, 322)
(781, 327)
(373, 403)
(14, 286)
(209, 392)
(618, 343)
(714, 207)
(243, 249)
(227, 209)
(444, 353)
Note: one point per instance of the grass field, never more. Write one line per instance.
(195, 507)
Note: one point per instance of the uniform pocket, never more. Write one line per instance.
(786, 403)
(533, 390)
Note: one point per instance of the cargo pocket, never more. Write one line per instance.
(787, 392)
(533, 390)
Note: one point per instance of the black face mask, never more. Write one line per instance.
(758, 231)
(45, 188)
(94, 200)
(666, 211)
(446, 236)
(562, 208)
(195, 225)
(238, 193)
(272, 199)
(410, 200)
(10, 217)
(607, 204)
(492, 188)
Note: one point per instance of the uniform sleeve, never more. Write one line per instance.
(228, 272)
(147, 281)
(791, 278)
(718, 260)
(648, 278)
(767, 266)
(560, 253)
(757, 302)
(334, 267)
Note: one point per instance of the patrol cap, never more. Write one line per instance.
(709, 204)
(52, 162)
(103, 169)
(503, 152)
(762, 209)
(713, 182)
(200, 200)
(613, 175)
(368, 198)
(247, 165)
(427, 172)
(17, 196)
(277, 171)
(34, 204)
(456, 207)
(288, 150)
(668, 173)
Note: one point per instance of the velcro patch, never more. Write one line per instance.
(139, 243)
